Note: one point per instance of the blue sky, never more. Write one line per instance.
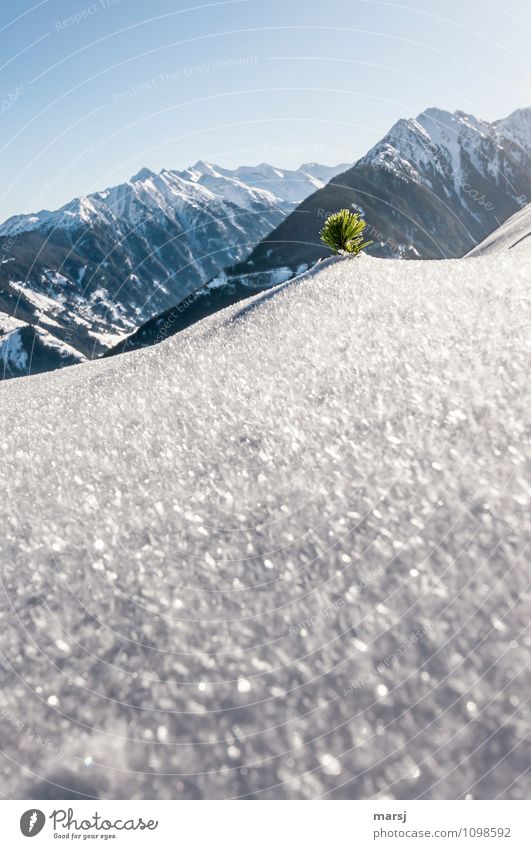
(92, 91)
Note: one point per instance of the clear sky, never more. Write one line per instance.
(93, 91)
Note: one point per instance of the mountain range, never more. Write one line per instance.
(89, 273)
(127, 267)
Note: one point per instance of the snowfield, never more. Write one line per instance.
(283, 554)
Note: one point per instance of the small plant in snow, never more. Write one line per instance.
(343, 231)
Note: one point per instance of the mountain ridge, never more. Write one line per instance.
(113, 199)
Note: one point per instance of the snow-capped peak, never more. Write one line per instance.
(205, 167)
(442, 145)
(143, 174)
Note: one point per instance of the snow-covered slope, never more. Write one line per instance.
(94, 270)
(281, 554)
(514, 235)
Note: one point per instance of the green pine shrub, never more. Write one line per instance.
(342, 232)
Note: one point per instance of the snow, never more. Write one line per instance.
(285, 549)
(517, 128)
(12, 352)
(81, 274)
(264, 182)
(229, 187)
(256, 280)
(20, 223)
(514, 235)
(108, 340)
(8, 323)
(43, 303)
(57, 344)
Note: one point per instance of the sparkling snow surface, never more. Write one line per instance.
(282, 554)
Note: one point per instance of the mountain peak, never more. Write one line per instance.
(436, 114)
(516, 128)
(203, 166)
(517, 121)
(453, 121)
(143, 174)
(522, 114)
(309, 166)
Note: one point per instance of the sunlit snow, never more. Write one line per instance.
(282, 554)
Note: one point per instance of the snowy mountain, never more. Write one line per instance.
(514, 235)
(92, 271)
(433, 187)
(281, 555)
